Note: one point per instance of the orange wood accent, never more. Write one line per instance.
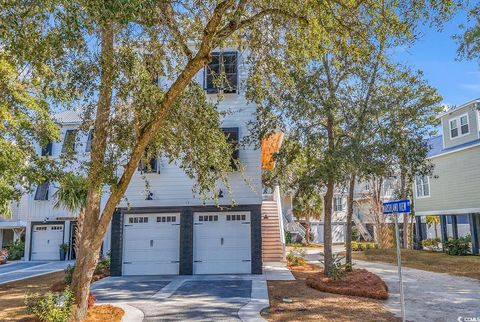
(270, 146)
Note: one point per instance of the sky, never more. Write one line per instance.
(435, 54)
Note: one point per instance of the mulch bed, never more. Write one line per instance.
(101, 313)
(358, 282)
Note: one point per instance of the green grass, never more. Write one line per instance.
(468, 266)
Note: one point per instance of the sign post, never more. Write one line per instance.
(394, 208)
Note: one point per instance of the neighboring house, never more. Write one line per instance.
(164, 229)
(452, 191)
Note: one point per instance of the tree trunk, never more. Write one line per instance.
(348, 239)
(327, 227)
(96, 225)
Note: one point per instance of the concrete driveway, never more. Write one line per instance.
(192, 298)
(20, 270)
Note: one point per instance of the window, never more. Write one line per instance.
(148, 167)
(208, 218)
(422, 186)
(236, 217)
(231, 135)
(88, 148)
(464, 126)
(453, 129)
(47, 150)
(221, 73)
(166, 219)
(42, 191)
(138, 220)
(337, 204)
(69, 141)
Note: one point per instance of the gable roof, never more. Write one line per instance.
(68, 117)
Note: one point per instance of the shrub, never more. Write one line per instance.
(338, 269)
(51, 307)
(288, 237)
(359, 246)
(16, 249)
(296, 257)
(69, 274)
(103, 268)
(431, 243)
(3, 256)
(91, 300)
(458, 247)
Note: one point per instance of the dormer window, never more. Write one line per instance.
(148, 167)
(461, 121)
(221, 74)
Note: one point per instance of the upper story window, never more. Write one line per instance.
(88, 148)
(42, 191)
(337, 204)
(231, 134)
(151, 166)
(69, 141)
(47, 150)
(221, 74)
(461, 121)
(422, 186)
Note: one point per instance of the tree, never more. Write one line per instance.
(307, 204)
(433, 220)
(24, 119)
(72, 196)
(469, 41)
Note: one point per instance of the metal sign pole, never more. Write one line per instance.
(399, 261)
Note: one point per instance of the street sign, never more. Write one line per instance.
(396, 206)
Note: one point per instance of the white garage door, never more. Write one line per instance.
(151, 244)
(46, 240)
(222, 243)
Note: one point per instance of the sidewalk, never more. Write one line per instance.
(22, 270)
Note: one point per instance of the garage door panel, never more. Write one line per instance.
(151, 246)
(46, 240)
(222, 243)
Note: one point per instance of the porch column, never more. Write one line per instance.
(474, 220)
(443, 228)
(454, 226)
(419, 234)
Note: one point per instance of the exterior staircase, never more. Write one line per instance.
(362, 229)
(273, 249)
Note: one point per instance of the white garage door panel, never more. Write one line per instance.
(46, 240)
(222, 243)
(151, 244)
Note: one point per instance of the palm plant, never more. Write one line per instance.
(5, 209)
(308, 205)
(433, 220)
(72, 196)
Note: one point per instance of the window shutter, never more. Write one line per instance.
(42, 191)
(47, 150)
(151, 167)
(88, 148)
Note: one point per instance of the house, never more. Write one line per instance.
(452, 191)
(164, 228)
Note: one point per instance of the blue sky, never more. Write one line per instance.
(435, 53)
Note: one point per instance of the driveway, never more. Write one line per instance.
(192, 298)
(429, 296)
(20, 270)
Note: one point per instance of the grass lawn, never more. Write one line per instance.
(468, 266)
(312, 305)
(12, 295)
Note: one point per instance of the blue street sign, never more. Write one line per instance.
(396, 206)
